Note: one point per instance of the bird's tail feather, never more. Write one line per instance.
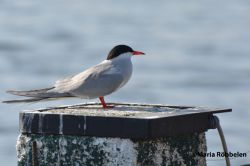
(30, 100)
(37, 95)
(30, 93)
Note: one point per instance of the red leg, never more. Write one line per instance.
(104, 105)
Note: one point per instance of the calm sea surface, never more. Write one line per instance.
(198, 53)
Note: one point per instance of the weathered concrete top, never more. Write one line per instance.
(124, 120)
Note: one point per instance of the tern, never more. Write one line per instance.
(95, 82)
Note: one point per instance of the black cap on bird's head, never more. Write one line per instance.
(120, 49)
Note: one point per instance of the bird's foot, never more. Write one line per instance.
(108, 106)
(104, 105)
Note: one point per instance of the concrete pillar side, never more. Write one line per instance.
(83, 150)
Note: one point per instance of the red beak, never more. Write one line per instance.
(137, 53)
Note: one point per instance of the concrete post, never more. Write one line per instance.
(128, 135)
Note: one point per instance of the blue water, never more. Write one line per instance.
(198, 53)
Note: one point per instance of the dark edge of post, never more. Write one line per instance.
(115, 126)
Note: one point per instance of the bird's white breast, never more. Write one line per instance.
(123, 65)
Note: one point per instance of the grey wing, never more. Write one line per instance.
(97, 85)
(99, 80)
